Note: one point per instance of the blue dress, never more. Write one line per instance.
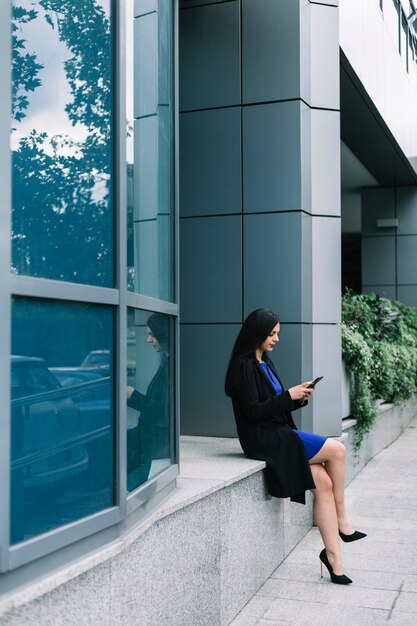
(312, 442)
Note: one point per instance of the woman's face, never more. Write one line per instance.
(153, 340)
(273, 338)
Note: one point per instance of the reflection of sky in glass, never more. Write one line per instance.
(62, 140)
(46, 111)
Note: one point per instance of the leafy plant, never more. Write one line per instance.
(379, 346)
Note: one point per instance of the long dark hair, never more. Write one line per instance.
(255, 329)
(158, 323)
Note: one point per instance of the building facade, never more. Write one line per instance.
(169, 166)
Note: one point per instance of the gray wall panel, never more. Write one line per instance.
(378, 260)
(326, 270)
(407, 210)
(327, 399)
(270, 50)
(189, 4)
(272, 264)
(209, 49)
(378, 275)
(321, 161)
(146, 65)
(408, 295)
(377, 204)
(271, 157)
(385, 291)
(211, 269)
(145, 6)
(146, 165)
(407, 259)
(210, 156)
(320, 82)
(205, 352)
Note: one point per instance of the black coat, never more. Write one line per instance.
(150, 439)
(265, 429)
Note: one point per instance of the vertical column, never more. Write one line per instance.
(291, 185)
(259, 197)
(210, 210)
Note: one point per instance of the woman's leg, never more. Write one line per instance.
(325, 515)
(333, 455)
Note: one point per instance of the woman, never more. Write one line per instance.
(296, 461)
(150, 439)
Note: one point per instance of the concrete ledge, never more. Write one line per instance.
(390, 423)
(197, 560)
(202, 555)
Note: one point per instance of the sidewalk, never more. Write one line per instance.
(382, 501)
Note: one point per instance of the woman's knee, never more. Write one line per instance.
(338, 450)
(322, 480)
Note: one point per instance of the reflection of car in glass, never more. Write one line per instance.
(91, 391)
(46, 426)
(93, 400)
(97, 358)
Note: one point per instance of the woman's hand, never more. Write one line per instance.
(301, 392)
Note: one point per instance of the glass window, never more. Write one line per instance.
(62, 414)
(61, 141)
(150, 355)
(404, 41)
(150, 150)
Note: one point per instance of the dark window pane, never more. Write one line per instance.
(150, 151)
(150, 395)
(62, 223)
(62, 414)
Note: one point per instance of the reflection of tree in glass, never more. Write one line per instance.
(25, 68)
(62, 218)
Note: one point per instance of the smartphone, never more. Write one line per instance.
(314, 383)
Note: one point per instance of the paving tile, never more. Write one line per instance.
(410, 583)
(382, 523)
(256, 607)
(400, 618)
(360, 577)
(318, 614)
(244, 620)
(329, 594)
(383, 566)
(407, 602)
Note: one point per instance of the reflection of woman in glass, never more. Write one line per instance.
(149, 440)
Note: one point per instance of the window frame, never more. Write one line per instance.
(77, 539)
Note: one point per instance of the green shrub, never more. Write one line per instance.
(379, 346)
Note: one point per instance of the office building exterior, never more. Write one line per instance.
(168, 166)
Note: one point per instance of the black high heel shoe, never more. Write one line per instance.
(352, 537)
(338, 579)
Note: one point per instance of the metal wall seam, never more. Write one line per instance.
(5, 259)
(176, 233)
(121, 274)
